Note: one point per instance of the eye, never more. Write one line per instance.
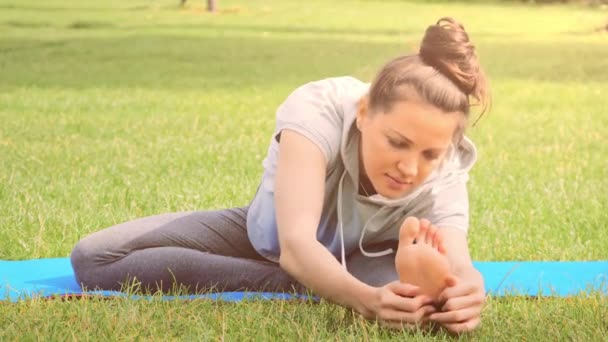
(429, 155)
(397, 143)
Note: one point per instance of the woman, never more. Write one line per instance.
(347, 164)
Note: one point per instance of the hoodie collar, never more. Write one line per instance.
(454, 168)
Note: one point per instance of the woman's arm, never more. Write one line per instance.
(464, 301)
(457, 250)
(299, 194)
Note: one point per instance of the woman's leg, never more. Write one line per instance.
(199, 250)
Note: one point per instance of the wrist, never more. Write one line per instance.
(471, 274)
(362, 295)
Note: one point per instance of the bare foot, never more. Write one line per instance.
(424, 263)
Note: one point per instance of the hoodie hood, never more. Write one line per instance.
(453, 169)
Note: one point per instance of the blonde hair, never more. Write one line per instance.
(445, 73)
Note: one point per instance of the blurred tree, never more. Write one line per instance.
(211, 5)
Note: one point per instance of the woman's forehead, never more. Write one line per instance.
(420, 122)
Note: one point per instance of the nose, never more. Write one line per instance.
(408, 166)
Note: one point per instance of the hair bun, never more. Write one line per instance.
(447, 48)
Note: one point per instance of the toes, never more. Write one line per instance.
(431, 235)
(422, 233)
(439, 245)
(409, 230)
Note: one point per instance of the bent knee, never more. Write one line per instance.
(84, 259)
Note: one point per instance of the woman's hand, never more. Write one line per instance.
(461, 304)
(397, 305)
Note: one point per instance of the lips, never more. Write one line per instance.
(397, 180)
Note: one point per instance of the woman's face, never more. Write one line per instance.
(401, 147)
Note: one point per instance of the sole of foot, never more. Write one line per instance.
(420, 258)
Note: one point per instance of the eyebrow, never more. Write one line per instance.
(409, 141)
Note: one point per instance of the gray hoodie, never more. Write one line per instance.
(325, 111)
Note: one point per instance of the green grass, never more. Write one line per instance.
(113, 110)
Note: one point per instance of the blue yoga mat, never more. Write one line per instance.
(55, 277)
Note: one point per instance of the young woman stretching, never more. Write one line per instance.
(347, 164)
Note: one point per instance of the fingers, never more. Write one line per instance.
(458, 303)
(456, 316)
(409, 230)
(462, 327)
(461, 307)
(458, 290)
(406, 320)
(404, 297)
(400, 306)
(403, 289)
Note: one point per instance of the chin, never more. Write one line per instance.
(392, 194)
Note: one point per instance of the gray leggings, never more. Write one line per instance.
(198, 251)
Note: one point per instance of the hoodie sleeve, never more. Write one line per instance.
(314, 110)
(450, 198)
(450, 207)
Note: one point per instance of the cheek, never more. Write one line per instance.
(377, 156)
(425, 167)
(373, 159)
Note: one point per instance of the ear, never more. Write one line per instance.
(362, 111)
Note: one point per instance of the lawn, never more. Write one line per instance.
(112, 110)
